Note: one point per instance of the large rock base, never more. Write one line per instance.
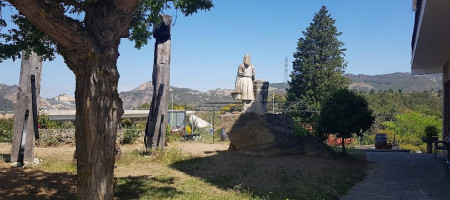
(268, 135)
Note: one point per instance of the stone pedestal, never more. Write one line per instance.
(261, 90)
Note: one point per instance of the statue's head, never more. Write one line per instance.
(247, 59)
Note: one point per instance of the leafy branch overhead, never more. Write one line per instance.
(75, 17)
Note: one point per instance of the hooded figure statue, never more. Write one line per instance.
(244, 80)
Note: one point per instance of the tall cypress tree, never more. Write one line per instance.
(319, 62)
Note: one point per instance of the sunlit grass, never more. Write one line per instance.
(169, 187)
(175, 174)
(327, 182)
(55, 164)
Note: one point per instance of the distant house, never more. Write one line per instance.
(431, 46)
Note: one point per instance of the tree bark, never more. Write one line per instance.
(29, 66)
(98, 112)
(90, 50)
(156, 124)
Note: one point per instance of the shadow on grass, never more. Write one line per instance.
(279, 177)
(19, 183)
(137, 187)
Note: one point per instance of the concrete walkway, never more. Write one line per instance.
(395, 175)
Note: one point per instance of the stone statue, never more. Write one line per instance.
(244, 83)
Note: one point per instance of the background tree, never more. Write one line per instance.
(87, 34)
(345, 113)
(387, 105)
(409, 127)
(319, 64)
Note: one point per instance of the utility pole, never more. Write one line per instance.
(171, 117)
(273, 103)
(286, 72)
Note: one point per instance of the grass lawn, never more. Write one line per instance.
(188, 170)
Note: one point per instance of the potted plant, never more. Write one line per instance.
(431, 133)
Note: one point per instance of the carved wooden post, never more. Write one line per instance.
(24, 128)
(155, 130)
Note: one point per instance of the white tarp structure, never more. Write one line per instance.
(200, 122)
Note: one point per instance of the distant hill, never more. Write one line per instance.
(184, 96)
(7, 97)
(143, 94)
(396, 81)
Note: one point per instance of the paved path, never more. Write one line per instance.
(406, 176)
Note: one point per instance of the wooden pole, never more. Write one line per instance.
(156, 129)
(30, 66)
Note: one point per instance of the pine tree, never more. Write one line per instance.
(319, 62)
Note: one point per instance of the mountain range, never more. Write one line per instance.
(396, 81)
(187, 96)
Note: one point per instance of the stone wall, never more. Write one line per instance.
(6, 115)
(62, 136)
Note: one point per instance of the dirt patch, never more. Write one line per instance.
(201, 149)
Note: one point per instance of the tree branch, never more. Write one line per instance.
(127, 7)
(67, 32)
(71, 3)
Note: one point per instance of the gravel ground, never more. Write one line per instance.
(396, 175)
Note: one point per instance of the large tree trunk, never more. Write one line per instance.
(99, 109)
(90, 50)
(156, 124)
(31, 65)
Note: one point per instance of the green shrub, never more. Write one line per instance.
(6, 130)
(126, 123)
(169, 155)
(130, 136)
(50, 140)
(67, 125)
(300, 131)
(414, 148)
(207, 136)
(46, 123)
(409, 128)
(172, 136)
(431, 131)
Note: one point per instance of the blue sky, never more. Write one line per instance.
(208, 47)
